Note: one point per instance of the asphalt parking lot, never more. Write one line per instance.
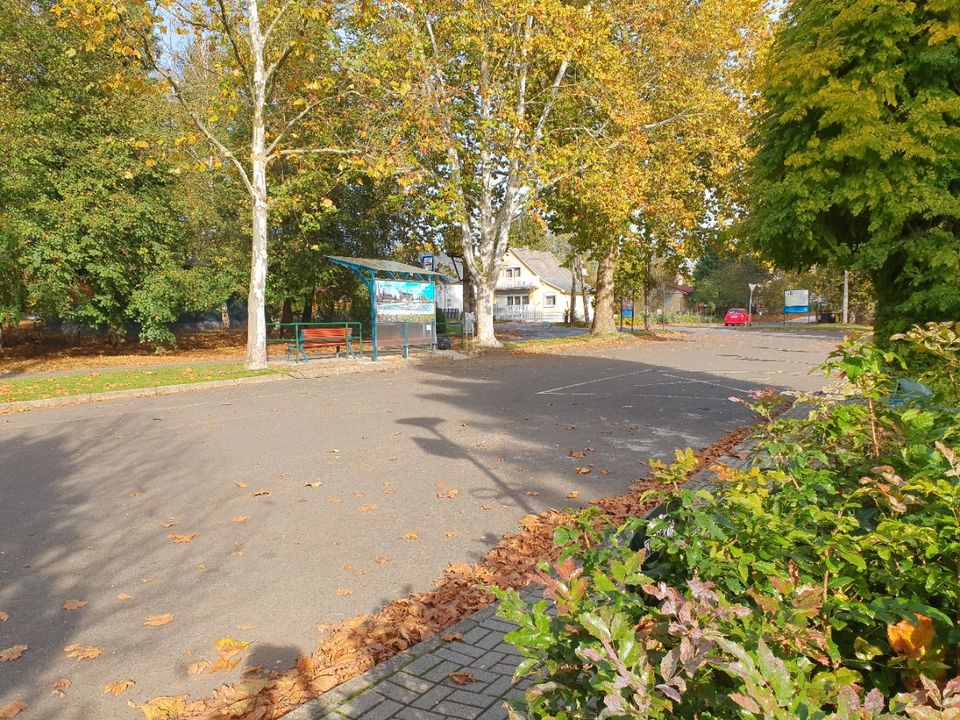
(296, 497)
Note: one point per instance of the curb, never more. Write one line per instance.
(284, 371)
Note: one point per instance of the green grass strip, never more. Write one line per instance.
(69, 384)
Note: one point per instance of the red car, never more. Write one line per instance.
(736, 316)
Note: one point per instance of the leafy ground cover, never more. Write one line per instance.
(821, 581)
(33, 387)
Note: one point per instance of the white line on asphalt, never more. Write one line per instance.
(707, 382)
(590, 382)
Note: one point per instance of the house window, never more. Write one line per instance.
(550, 301)
(517, 300)
(513, 272)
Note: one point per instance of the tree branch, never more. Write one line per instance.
(233, 40)
(299, 116)
(275, 22)
(319, 151)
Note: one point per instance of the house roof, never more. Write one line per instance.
(546, 265)
(686, 290)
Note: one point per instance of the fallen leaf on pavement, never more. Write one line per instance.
(449, 533)
(573, 495)
(605, 471)
(452, 637)
(124, 596)
(577, 454)
(240, 484)
(390, 491)
(359, 493)
(229, 653)
(334, 542)
(157, 620)
(181, 539)
(486, 507)
(410, 536)
(170, 524)
(119, 687)
(393, 458)
(240, 519)
(387, 483)
(135, 493)
(12, 653)
(571, 427)
(314, 484)
(82, 653)
(201, 666)
(334, 501)
(333, 450)
(343, 592)
(261, 492)
(462, 678)
(532, 493)
(4, 616)
(382, 560)
(244, 627)
(62, 683)
(74, 604)
(369, 507)
(449, 495)
(162, 708)
(585, 470)
(12, 709)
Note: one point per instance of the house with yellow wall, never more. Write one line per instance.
(534, 287)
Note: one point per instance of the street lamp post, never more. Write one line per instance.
(752, 286)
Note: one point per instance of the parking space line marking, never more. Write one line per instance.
(707, 382)
(590, 382)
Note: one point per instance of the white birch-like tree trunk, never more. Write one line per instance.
(256, 298)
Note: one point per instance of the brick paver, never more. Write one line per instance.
(416, 684)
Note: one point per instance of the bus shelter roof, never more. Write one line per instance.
(388, 269)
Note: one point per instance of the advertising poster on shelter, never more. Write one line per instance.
(402, 301)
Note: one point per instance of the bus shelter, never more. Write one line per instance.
(403, 307)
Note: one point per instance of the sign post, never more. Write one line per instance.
(752, 286)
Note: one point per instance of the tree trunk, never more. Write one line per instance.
(256, 299)
(603, 320)
(224, 316)
(572, 312)
(486, 292)
(307, 314)
(469, 296)
(286, 318)
(583, 294)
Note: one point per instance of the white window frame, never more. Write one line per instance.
(550, 301)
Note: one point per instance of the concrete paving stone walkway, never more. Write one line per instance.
(417, 683)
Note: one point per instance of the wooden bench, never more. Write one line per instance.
(310, 338)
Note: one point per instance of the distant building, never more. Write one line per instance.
(676, 299)
(534, 287)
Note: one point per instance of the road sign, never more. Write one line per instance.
(428, 262)
(626, 308)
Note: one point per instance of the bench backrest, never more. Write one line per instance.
(327, 333)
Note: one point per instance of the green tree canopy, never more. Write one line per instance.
(858, 158)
